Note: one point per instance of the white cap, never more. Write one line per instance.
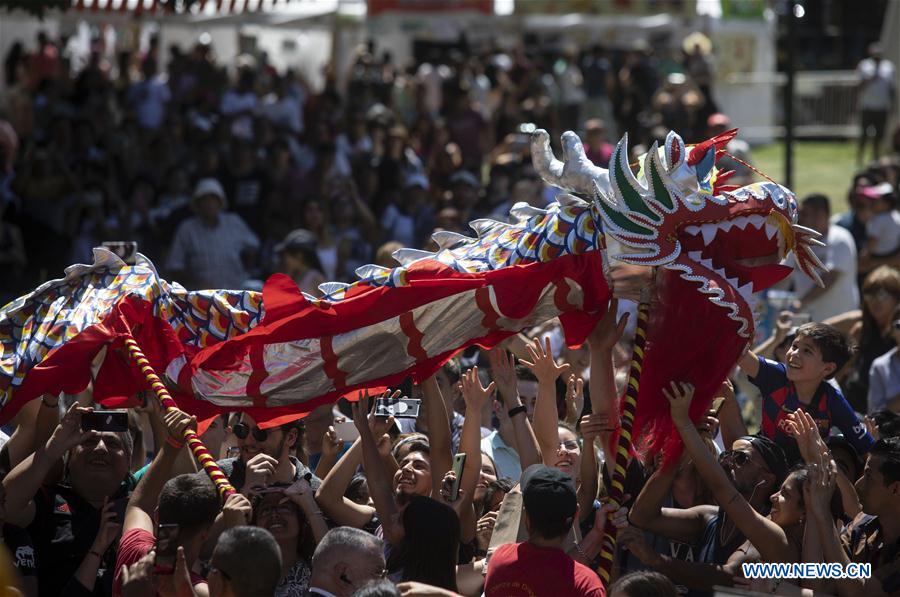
(211, 186)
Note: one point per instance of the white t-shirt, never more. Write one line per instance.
(876, 95)
(839, 255)
(883, 233)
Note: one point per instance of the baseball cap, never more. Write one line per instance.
(296, 240)
(210, 186)
(549, 495)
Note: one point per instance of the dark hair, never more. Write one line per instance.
(452, 370)
(830, 342)
(888, 423)
(817, 201)
(644, 583)
(502, 485)
(430, 548)
(251, 558)
(381, 587)
(888, 449)
(190, 501)
(524, 373)
(306, 542)
(357, 488)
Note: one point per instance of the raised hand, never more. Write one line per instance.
(177, 422)
(331, 443)
(801, 426)
(607, 333)
(819, 486)
(138, 580)
(680, 402)
(593, 425)
(574, 397)
(484, 528)
(237, 510)
(503, 368)
(68, 433)
(475, 395)
(542, 364)
(783, 324)
(259, 469)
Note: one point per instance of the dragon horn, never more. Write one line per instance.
(577, 174)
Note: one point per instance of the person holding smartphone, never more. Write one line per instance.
(72, 522)
(187, 506)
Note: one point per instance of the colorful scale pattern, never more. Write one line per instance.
(35, 324)
(537, 235)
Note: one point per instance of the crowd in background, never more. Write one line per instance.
(223, 177)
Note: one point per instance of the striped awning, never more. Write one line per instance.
(187, 7)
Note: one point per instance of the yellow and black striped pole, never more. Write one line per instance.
(200, 452)
(617, 478)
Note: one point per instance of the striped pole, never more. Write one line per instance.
(200, 452)
(617, 478)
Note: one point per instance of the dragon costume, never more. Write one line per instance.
(673, 225)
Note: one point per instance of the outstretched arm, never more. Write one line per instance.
(749, 363)
(143, 501)
(604, 395)
(766, 536)
(24, 481)
(376, 473)
(438, 432)
(503, 367)
(470, 443)
(330, 494)
(545, 416)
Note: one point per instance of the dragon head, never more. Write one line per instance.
(675, 212)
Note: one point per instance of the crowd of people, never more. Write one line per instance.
(223, 180)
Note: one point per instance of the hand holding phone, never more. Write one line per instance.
(166, 548)
(459, 463)
(404, 408)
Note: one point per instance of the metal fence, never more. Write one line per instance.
(824, 103)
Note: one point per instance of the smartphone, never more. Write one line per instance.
(126, 250)
(166, 548)
(105, 420)
(346, 431)
(459, 462)
(404, 408)
(717, 405)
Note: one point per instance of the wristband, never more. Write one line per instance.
(173, 443)
(516, 410)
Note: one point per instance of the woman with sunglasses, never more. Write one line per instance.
(871, 330)
(777, 537)
(884, 374)
(294, 519)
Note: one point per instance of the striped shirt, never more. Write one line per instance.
(211, 257)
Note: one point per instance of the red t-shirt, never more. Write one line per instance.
(522, 569)
(134, 545)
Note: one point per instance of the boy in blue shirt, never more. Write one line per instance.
(816, 354)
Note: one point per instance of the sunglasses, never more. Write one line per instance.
(879, 294)
(734, 456)
(242, 430)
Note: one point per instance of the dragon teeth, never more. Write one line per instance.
(771, 230)
(709, 232)
(741, 222)
(757, 221)
(695, 256)
(695, 230)
(707, 263)
(746, 289)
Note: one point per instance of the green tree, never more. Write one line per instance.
(37, 8)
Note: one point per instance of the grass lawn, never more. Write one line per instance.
(825, 167)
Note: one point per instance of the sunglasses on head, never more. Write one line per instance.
(877, 294)
(242, 430)
(735, 456)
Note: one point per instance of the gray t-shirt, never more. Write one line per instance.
(884, 380)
